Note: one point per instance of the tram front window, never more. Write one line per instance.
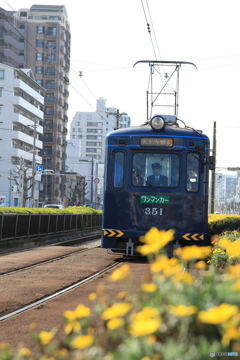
(155, 170)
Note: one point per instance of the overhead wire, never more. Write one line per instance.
(154, 50)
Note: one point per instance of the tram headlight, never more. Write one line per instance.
(157, 123)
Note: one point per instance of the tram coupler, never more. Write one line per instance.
(129, 247)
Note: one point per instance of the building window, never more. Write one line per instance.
(39, 43)
(89, 117)
(0, 93)
(50, 71)
(47, 150)
(39, 69)
(79, 136)
(40, 29)
(51, 44)
(77, 123)
(1, 74)
(54, 18)
(0, 110)
(79, 117)
(40, 82)
(39, 56)
(96, 124)
(23, 14)
(51, 31)
(51, 58)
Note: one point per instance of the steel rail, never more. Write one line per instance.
(58, 293)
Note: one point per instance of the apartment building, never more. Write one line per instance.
(21, 101)
(91, 128)
(39, 39)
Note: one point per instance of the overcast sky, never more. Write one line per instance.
(109, 36)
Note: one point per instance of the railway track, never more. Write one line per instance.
(72, 241)
(35, 276)
(58, 293)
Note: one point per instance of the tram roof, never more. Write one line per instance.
(144, 130)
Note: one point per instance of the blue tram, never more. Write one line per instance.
(156, 175)
(135, 200)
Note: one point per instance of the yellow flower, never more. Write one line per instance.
(82, 311)
(122, 295)
(62, 353)
(145, 322)
(201, 265)
(115, 323)
(162, 262)
(72, 326)
(149, 287)
(82, 341)
(230, 334)
(92, 296)
(171, 270)
(218, 314)
(188, 253)
(45, 337)
(144, 327)
(116, 310)
(151, 339)
(24, 352)
(155, 240)
(233, 248)
(233, 271)
(185, 277)
(236, 286)
(33, 326)
(182, 310)
(69, 315)
(119, 274)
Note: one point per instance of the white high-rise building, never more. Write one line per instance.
(91, 128)
(21, 116)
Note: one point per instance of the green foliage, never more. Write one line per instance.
(69, 210)
(217, 224)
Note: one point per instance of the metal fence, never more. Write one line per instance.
(17, 226)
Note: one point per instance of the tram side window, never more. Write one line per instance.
(118, 169)
(192, 180)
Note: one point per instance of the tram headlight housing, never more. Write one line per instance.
(157, 122)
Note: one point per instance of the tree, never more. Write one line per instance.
(76, 191)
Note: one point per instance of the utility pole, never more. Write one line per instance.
(33, 163)
(92, 183)
(117, 116)
(213, 171)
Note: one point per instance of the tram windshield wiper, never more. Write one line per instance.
(153, 187)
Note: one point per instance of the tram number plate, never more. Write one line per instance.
(153, 211)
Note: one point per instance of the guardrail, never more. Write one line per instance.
(18, 226)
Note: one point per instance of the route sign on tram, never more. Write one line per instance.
(96, 180)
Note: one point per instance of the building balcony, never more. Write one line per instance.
(21, 85)
(9, 40)
(13, 55)
(18, 101)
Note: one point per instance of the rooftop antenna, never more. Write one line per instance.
(152, 96)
